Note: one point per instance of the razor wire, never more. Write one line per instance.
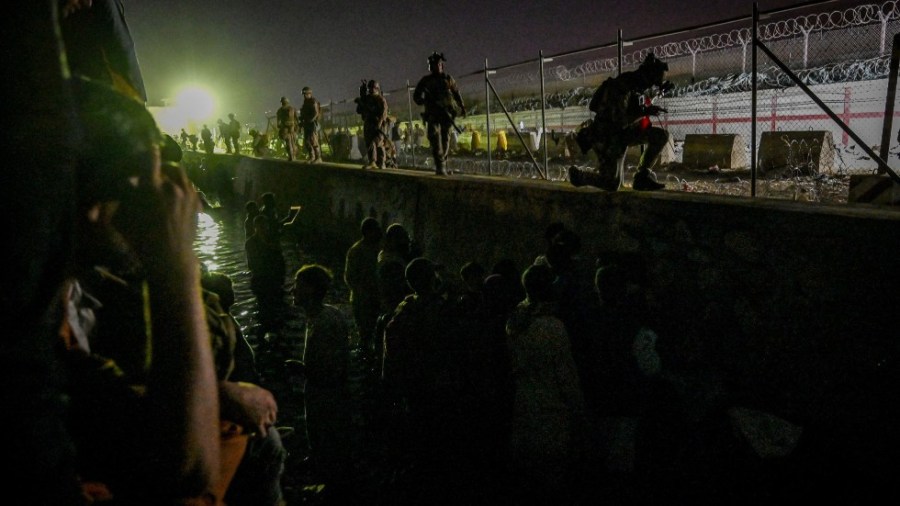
(771, 77)
(798, 26)
(842, 52)
(804, 25)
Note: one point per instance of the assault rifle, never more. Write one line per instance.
(445, 115)
(360, 100)
(649, 108)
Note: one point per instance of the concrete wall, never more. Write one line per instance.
(792, 305)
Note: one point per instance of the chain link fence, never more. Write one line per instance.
(840, 50)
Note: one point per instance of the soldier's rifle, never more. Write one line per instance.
(363, 93)
(451, 118)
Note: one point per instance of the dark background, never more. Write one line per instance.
(252, 52)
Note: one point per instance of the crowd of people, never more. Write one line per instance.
(132, 382)
(540, 385)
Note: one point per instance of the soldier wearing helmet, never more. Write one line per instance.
(286, 118)
(622, 107)
(438, 93)
(234, 133)
(310, 112)
(373, 108)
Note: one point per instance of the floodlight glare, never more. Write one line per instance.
(197, 103)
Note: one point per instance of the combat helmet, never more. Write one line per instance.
(654, 63)
(436, 57)
(654, 68)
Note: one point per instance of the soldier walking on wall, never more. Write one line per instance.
(287, 127)
(373, 108)
(438, 93)
(234, 133)
(208, 143)
(222, 135)
(310, 112)
(623, 106)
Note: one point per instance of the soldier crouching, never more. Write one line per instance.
(623, 106)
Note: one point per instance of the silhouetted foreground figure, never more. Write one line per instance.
(145, 408)
(361, 276)
(99, 45)
(424, 365)
(39, 154)
(326, 356)
(548, 420)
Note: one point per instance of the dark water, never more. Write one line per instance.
(276, 335)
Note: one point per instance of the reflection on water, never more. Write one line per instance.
(220, 246)
(276, 334)
(209, 235)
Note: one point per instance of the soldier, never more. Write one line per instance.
(222, 135)
(437, 91)
(310, 112)
(373, 108)
(623, 106)
(234, 133)
(260, 143)
(287, 127)
(208, 143)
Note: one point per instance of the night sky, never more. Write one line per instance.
(251, 52)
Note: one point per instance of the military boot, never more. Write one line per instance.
(645, 180)
(581, 177)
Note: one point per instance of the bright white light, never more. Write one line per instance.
(196, 103)
(192, 107)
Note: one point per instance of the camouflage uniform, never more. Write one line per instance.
(438, 93)
(623, 119)
(373, 108)
(287, 127)
(310, 112)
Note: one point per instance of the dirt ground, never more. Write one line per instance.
(791, 185)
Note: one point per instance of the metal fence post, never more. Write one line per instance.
(487, 116)
(753, 75)
(409, 127)
(544, 115)
(619, 52)
(889, 106)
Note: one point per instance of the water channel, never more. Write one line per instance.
(277, 337)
